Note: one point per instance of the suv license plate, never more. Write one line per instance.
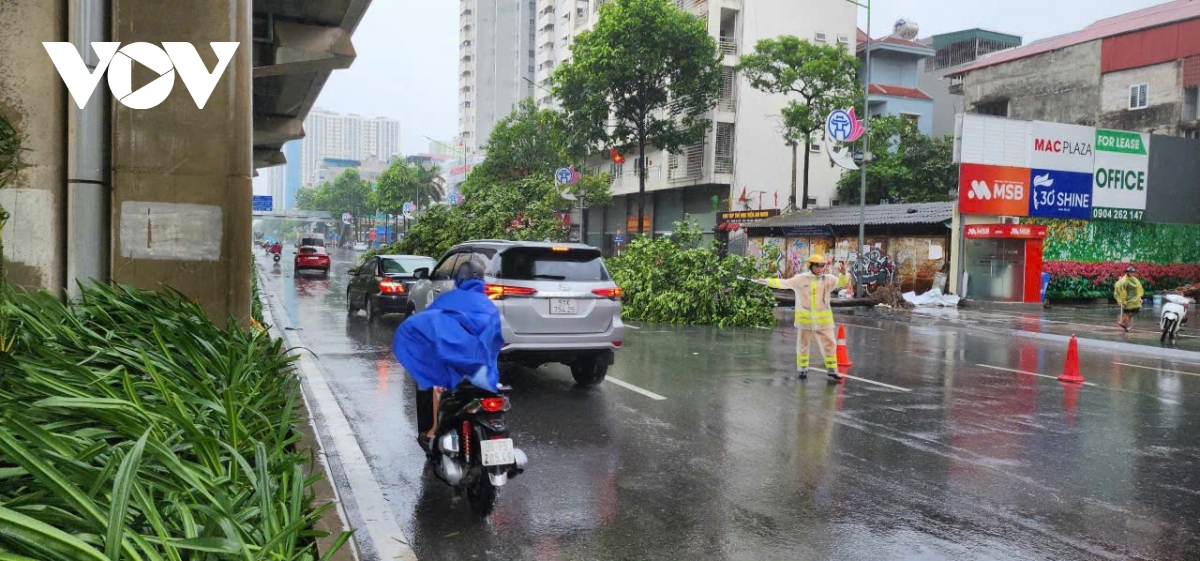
(562, 306)
(497, 452)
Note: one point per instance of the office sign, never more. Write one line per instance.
(263, 203)
(1060, 194)
(746, 216)
(1018, 231)
(1119, 182)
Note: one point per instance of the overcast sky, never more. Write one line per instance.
(407, 65)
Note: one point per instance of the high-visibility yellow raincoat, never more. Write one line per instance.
(1128, 293)
(813, 314)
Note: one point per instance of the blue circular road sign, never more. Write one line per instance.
(563, 175)
(839, 126)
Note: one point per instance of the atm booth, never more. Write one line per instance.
(1003, 262)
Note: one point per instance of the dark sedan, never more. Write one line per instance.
(381, 285)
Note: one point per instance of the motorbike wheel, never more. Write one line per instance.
(1167, 329)
(482, 496)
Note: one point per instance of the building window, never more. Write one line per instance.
(996, 108)
(914, 117)
(1139, 96)
(834, 202)
(819, 37)
(844, 39)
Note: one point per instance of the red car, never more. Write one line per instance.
(312, 258)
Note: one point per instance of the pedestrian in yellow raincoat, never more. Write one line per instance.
(813, 314)
(1128, 294)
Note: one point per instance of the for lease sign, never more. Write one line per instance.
(1119, 178)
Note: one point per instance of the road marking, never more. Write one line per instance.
(867, 380)
(632, 387)
(864, 326)
(1158, 369)
(632, 326)
(381, 526)
(1027, 372)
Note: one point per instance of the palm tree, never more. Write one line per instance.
(429, 189)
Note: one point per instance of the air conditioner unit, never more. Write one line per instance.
(1010, 220)
(820, 37)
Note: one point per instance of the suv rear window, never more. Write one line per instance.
(539, 263)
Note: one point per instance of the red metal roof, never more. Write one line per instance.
(897, 91)
(1154, 16)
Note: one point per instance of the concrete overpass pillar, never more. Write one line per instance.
(181, 176)
(34, 100)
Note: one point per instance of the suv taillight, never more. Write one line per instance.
(613, 293)
(500, 292)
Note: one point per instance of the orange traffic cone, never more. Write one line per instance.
(1071, 366)
(843, 358)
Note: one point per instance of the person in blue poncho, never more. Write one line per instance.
(457, 338)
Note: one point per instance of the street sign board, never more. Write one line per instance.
(452, 198)
(264, 203)
(618, 239)
(843, 126)
(408, 208)
(562, 176)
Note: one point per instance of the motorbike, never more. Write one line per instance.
(1174, 314)
(277, 256)
(473, 451)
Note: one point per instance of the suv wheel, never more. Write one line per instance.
(350, 309)
(588, 370)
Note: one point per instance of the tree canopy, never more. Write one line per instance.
(907, 166)
(645, 75)
(820, 78)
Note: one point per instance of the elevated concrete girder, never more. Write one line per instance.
(301, 48)
(276, 130)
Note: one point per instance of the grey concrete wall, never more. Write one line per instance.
(34, 99)
(1061, 86)
(1164, 94)
(945, 104)
(182, 175)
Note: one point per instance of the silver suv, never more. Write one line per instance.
(557, 302)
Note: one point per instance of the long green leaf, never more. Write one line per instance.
(46, 540)
(120, 497)
(60, 485)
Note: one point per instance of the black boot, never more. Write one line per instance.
(834, 375)
(803, 374)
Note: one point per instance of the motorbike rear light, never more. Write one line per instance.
(390, 287)
(613, 293)
(500, 292)
(494, 404)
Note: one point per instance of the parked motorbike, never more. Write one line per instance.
(473, 451)
(1174, 314)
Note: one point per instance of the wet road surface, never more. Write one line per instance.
(950, 443)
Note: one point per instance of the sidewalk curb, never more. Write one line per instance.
(380, 535)
(1084, 342)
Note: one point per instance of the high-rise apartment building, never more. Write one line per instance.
(350, 137)
(743, 162)
(496, 64)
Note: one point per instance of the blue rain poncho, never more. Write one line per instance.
(458, 337)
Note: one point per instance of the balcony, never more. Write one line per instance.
(627, 181)
(728, 45)
(723, 155)
(687, 165)
(725, 100)
(546, 19)
(956, 84)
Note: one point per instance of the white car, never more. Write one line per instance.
(360, 246)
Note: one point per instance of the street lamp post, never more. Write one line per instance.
(866, 119)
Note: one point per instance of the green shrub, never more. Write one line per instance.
(135, 428)
(679, 281)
